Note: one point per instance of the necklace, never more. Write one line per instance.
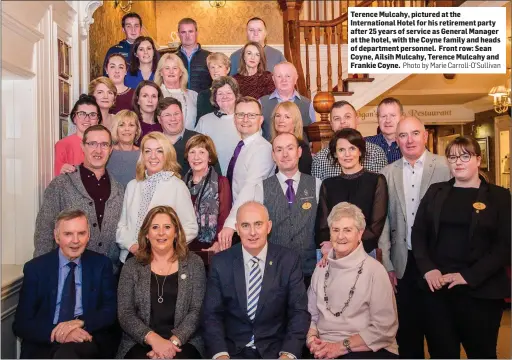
(350, 293)
(161, 296)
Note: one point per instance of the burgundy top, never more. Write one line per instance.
(224, 209)
(123, 101)
(98, 190)
(147, 128)
(256, 85)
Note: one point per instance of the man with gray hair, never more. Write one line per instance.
(408, 179)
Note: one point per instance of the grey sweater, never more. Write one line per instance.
(67, 192)
(134, 302)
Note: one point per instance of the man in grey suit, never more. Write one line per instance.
(408, 179)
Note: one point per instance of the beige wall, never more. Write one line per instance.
(106, 30)
(224, 26)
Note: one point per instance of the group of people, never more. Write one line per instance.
(166, 169)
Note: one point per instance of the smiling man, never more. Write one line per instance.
(68, 304)
(255, 305)
(408, 179)
(89, 188)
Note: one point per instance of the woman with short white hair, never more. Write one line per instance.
(351, 301)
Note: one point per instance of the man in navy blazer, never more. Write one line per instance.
(68, 305)
(256, 302)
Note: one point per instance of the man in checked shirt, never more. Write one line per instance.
(344, 115)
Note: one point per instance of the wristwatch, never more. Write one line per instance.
(175, 342)
(346, 343)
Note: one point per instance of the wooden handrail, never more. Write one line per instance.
(333, 22)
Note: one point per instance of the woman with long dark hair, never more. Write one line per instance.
(143, 62)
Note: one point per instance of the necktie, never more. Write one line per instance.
(68, 299)
(290, 193)
(231, 166)
(253, 293)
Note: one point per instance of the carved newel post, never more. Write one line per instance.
(320, 132)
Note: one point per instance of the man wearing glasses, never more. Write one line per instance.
(90, 189)
(251, 162)
(389, 113)
(408, 179)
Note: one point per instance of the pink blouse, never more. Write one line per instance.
(68, 151)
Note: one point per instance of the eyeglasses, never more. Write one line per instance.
(81, 115)
(250, 116)
(464, 158)
(95, 144)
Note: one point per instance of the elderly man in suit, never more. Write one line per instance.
(67, 306)
(256, 303)
(408, 179)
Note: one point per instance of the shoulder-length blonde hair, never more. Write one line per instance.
(294, 111)
(184, 73)
(262, 66)
(102, 80)
(170, 162)
(145, 253)
(121, 116)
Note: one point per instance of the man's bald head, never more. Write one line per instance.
(252, 206)
(253, 226)
(411, 137)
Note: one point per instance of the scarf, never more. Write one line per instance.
(148, 190)
(206, 204)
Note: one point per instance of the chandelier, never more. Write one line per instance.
(501, 95)
(217, 3)
(126, 7)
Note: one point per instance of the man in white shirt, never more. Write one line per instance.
(252, 159)
(408, 179)
(291, 199)
(256, 303)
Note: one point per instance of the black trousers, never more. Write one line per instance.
(411, 319)
(138, 351)
(454, 317)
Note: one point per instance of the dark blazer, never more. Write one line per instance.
(281, 320)
(179, 146)
(489, 238)
(33, 321)
(134, 297)
(199, 77)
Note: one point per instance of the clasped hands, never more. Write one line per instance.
(70, 331)
(162, 348)
(325, 350)
(436, 280)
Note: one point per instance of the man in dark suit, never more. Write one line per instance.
(67, 306)
(256, 302)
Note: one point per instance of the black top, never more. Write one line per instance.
(98, 190)
(452, 248)
(161, 319)
(488, 236)
(366, 190)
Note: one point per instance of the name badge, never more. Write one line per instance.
(306, 205)
(479, 206)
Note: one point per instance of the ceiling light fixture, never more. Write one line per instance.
(217, 3)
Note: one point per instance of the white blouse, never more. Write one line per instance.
(172, 193)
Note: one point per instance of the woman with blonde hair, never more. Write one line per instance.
(172, 76)
(157, 182)
(253, 78)
(105, 92)
(161, 292)
(123, 159)
(286, 118)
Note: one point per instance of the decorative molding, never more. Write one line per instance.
(20, 28)
(16, 70)
(11, 289)
(9, 312)
(89, 10)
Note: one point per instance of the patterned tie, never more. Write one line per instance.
(231, 166)
(290, 193)
(253, 294)
(68, 299)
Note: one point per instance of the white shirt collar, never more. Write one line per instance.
(262, 255)
(282, 177)
(421, 159)
(251, 138)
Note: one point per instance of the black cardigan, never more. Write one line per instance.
(489, 238)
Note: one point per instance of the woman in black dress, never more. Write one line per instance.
(365, 189)
(161, 292)
(461, 242)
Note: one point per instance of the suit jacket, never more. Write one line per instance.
(393, 240)
(33, 321)
(281, 321)
(134, 298)
(489, 238)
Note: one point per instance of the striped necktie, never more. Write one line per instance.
(253, 293)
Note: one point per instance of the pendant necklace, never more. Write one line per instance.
(161, 296)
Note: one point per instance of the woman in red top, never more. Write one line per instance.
(252, 77)
(210, 192)
(116, 69)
